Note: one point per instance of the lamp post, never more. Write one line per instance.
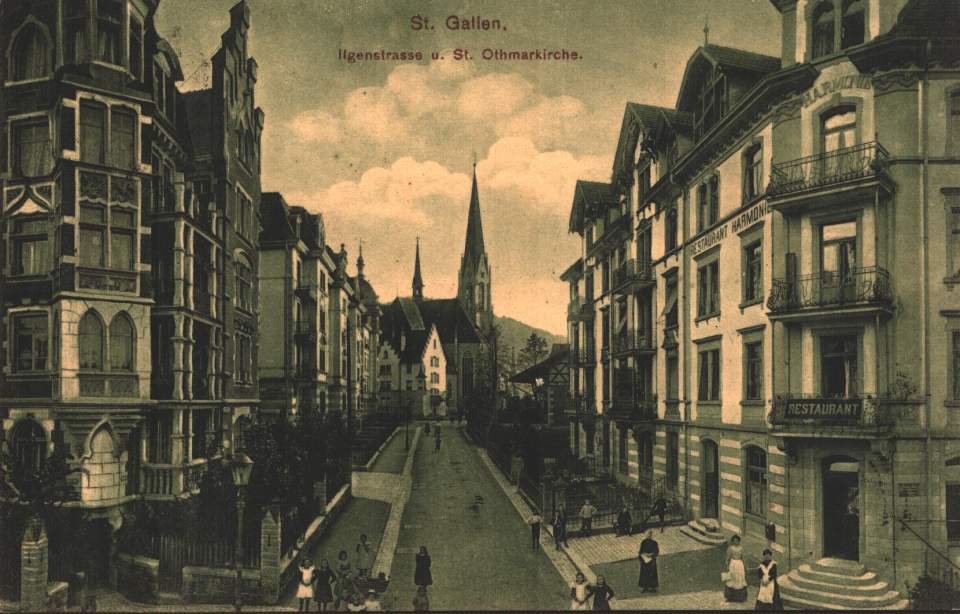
(406, 431)
(240, 469)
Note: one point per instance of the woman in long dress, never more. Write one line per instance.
(364, 560)
(421, 575)
(768, 596)
(649, 551)
(735, 589)
(305, 588)
(580, 593)
(343, 588)
(602, 594)
(323, 589)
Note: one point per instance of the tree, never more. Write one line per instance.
(534, 350)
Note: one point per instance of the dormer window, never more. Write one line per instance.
(712, 103)
(834, 29)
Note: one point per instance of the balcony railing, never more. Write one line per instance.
(306, 288)
(580, 308)
(159, 479)
(827, 169)
(114, 385)
(633, 406)
(851, 414)
(631, 272)
(304, 329)
(583, 405)
(864, 286)
(633, 341)
(581, 357)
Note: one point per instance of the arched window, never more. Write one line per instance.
(244, 278)
(481, 296)
(91, 342)
(31, 57)
(240, 429)
(953, 123)
(852, 27)
(122, 340)
(823, 29)
(29, 446)
(756, 477)
(839, 128)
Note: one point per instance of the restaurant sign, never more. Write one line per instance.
(738, 224)
(823, 410)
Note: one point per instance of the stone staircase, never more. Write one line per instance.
(704, 530)
(837, 584)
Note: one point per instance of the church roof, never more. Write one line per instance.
(473, 249)
(451, 320)
(411, 313)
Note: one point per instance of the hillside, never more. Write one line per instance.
(515, 333)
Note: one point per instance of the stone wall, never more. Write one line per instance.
(33, 567)
(138, 577)
(217, 585)
(57, 593)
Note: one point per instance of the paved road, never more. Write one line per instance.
(480, 547)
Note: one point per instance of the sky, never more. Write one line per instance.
(385, 150)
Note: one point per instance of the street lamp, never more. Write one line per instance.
(240, 469)
(406, 431)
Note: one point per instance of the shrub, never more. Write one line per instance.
(932, 594)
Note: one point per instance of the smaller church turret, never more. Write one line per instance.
(417, 277)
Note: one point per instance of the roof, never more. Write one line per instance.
(414, 321)
(275, 218)
(558, 354)
(574, 271)
(639, 118)
(933, 18)
(588, 194)
(473, 246)
(726, 57)
(199, 121)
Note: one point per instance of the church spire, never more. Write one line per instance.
(474, 286)
(417, 278)
(473, 249)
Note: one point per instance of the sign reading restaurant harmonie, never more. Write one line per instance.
(739, 223)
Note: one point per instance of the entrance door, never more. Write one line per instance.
(841, 508)
(710, 495)
(97, 564)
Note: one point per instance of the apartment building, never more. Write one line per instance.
(802, 369)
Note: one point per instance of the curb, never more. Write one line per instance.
(373, 459)
(391, 532)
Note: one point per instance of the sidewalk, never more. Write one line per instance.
(394, 454)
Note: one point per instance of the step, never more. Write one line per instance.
(796, 603)
(807, 571)
(703, 538)
(705, 529)
(840, 566)
(874, 589)
(789, 590)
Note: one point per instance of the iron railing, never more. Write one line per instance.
(629, 404)
(633, 341)
(580, 308)
(634, 270)
(939, 566)
(304, 329)
(863, 286)
(827, 169)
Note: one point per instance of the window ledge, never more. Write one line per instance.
(707, 316)
(751, 303)
(710, 403)
(952, 403)
(753, 403)
(951, 280)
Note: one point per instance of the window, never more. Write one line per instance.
(30, 342)
(853, 25)
(753, 273)
(136, 48)
(434, 361)
(753, 370)
(839, 374)
(953, 120)
(673, 376)
(121, 343)
(673, 459)
(75, 31)
(753, 173)
(709, 375)
(28, 444)
(32, 149)
(31, 248)
(823, 29)
(93, 245)
(244, 277)
(956, 365)
(953, 511)
(91, 342)
(31, 56)
(243, 359)
(93, 129)
(670, 230)
(756, 481)
(714, 200)
(703, 207)
(96, 192)
(122, 138)
(159, 431)
(708, 289)
(838, 245)
(434, 378)
(953, 238)
(622, 458)
(110, 18)
(670, 301)
(244, 214)
(708, 203)
(122, 237)
(839, 131)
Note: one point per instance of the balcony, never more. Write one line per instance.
(612, 234)
(107, 281)
(583, 357)
(110, 385)
(830, 176)
(804, 415)
(306, 289)
(633, 274)
(867, 290)
(630, 406)
(304, 330)
(583, 407)
(160, 479)
(580, 309)
(633, 341)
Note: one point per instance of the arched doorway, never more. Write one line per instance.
(841, 507)
(710, 488)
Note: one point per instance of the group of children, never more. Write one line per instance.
(344, 585)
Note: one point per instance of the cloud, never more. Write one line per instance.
(317, 126)
(493, 95)
(374, 112)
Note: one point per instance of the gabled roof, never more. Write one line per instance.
(558, 354)
(711, 56)
(410, 310)
(275, 218)
(574, 271)
(587, 195)
(452, 322)
(199, 119)
(644, 118)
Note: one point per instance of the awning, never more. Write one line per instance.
(671, 300)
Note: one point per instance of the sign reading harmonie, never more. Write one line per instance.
(739, 223)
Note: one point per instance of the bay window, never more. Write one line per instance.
(122, 138)
(32, 155)
(136, 48)
(106, 238)
(31, 247)
(110, 18)
(93, 243)
(75, 31)
(30, 341)
(93, 130)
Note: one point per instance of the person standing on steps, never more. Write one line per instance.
(586, 519)
(305, 589)
(649, 580)
(602, 594)
(364, 560)
(422, 576)
(323, 587)
(768, 596)
(534, 521)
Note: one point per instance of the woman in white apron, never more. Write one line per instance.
(580, 593)
(768, 597)
(735, 577)
(305, 589)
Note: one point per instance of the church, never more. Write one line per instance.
(412, 326)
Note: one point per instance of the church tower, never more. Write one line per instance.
(417, 278)
(473, 290)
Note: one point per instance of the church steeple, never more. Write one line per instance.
(474, 283)
(417, 278)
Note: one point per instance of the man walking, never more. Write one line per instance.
(659, 510)
(436, 440)
(534, 522)
(586, 519)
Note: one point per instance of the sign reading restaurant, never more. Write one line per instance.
(739, 223)
(828, 410)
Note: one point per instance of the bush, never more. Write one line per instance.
(932, 594)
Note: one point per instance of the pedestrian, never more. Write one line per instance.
(534, 522)
(768, 596)
(364, 560)
(426, 428)
(659, 509)
(436, 440)
(560, 527)
(421, 575)
(602, 594)
(735, 578)
(343, 589)
(580, 593)
(649, 551)
(323, 586)
(372, 603)
(624, 522)
(586, 519)
(420, 601)
(305, 589)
